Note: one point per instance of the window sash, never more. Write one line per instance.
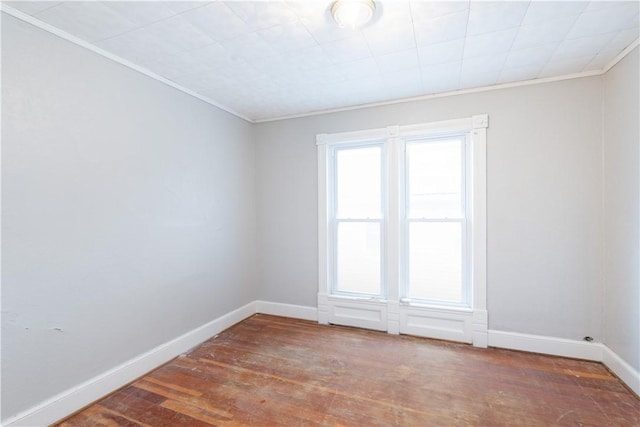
(335, 172)
(335, 258)
(462, 139)
(463, 219)
(335, 220)
(465, 297)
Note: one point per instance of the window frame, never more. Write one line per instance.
(393, 312)
(463, 219)
(334, 220)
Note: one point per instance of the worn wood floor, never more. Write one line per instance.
(268, 371)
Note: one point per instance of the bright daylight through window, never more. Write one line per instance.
(436, 220)
(357, 220)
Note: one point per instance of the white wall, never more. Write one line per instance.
(544, 212)
(622, 210)
(128, 214)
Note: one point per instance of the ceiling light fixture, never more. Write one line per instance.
(352, 13)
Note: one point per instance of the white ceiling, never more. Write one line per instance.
(271, 59)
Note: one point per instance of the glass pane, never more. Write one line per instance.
(358, 182)
(359, 257)
(435, 179)
(435, 261)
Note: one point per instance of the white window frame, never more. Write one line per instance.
(405, 221)
(393, 314)
(334, 221)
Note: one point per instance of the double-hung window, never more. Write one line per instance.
(357, 220)
(435, 220)
(402, 229)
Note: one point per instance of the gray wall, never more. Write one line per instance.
(544, 211)
(128, 214)
(621, 210)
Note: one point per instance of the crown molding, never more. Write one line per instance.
(580, 75)
(64, 35)
(438, 95)
(621, 55)
(87, 45)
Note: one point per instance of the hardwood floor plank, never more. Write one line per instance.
(270, 371)
(99, 416)
(195, 412)
(144, 411)
(151, 379)
(185, 399)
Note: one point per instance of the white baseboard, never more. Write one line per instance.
(545, 345)
(287, 310)
(597, 352)
(622, 369)
(83, 394)
(89, 391)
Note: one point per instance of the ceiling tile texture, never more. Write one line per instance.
(271, 59)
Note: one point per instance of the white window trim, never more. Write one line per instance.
(461, 324)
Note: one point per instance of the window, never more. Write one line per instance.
(435, 220)
(402, 229)
(357, 220)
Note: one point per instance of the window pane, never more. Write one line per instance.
(435, 261)
(435, 179)
(359, 257)
(358, 182)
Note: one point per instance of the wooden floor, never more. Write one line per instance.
(271, 370)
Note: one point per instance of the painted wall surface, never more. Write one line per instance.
(544, 214)
(128, 214)
(622, 209)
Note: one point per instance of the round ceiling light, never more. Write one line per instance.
(352, 13)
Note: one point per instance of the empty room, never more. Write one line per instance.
(320, 212)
